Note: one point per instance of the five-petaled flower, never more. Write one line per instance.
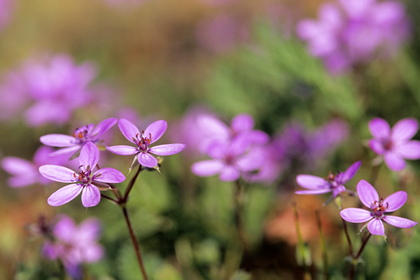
(394, 145)
(378, 209)
(85, 180)
(333, 182)
(72, 144)
(142, 141)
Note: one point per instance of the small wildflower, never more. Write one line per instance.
(142, 141)
(333, 183)
(72, 144)
(85, 180)
(378, 209)
(394, 145)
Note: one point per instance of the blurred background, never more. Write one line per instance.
(310, 73)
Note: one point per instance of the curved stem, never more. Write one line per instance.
(134, 241)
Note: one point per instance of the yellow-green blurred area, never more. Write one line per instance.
(152, 56)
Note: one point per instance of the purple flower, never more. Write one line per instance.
(74, 245)
(394, 145)
(229, 159)
(25, 173)
(352, 32)
(85, 180)
(57, 87)
(334, 182)
(378, 207)
(142, 141)
(72, 144)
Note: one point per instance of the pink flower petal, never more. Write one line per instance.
(242, 122)
(128, 129)
(399, 222)
(377, 146)
(156, 129)
(355, 215)
(89, 155)
(376, 227)
(167, 150)
(17, 166)
(350, 172)
(229, 173)
(395, 201)
(409, 150)
(367, 193)
(90, 196)
(312, 182)
(57, 173)
(109, 175)
(207, 167)
(313, 191)
(66, 151)
(58, 140)
(147, 160)
(379, 128)
(104, 126)
(405, 129)
(64, 195)
(123, 150)
(394, 161)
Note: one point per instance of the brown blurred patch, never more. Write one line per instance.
(282, 225)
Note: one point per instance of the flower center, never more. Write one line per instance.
(332, 179)
(82, 134)
(143, 141)
(84, 176)
(379, 208)
(388, 144)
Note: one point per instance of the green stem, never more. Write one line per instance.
(346, 231)
(134, 241)
(131, 184)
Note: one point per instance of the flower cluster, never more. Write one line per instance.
(232, 149)
(74, 245)
(352, 32)
(393, 146)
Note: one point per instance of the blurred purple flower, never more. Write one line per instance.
(74, 245)
(352, 32)
(13, 96)
(142, 140)
(236, 150)
(309, 147)
(229, 159)
(72, 144)
(394, 145)
(25, 173)
(333, 183)
(378, 207)
(58, 87)
(84, 181)
(221, 33)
